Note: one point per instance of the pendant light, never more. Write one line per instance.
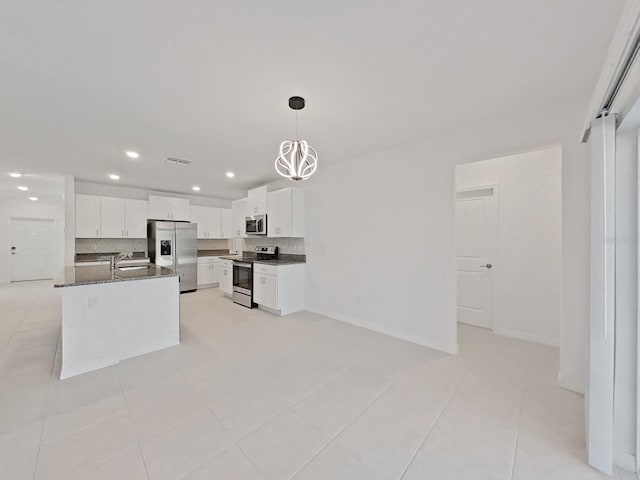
(297, 160)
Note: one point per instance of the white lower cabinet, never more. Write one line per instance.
(279, 288)
(226, 277)
(265, 290)
(208, 272)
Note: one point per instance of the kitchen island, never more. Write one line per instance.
(111, 314)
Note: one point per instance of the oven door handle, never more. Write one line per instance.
(242, 265)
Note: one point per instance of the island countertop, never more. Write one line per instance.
(91, 275)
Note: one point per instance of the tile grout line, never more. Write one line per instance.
(46, 404)
(235, 442)
(415, 454)
(126, 404)
(334, 437)
(515, 447)
(279, 412)
(26, 314)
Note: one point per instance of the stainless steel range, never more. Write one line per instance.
(243, 274)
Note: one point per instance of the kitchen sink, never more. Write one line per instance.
(133, 267)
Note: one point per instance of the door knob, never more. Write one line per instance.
(13, 250)
(488, 265)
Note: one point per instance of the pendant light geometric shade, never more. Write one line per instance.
(297, 160)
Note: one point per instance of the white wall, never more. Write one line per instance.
(380, 232)
(49, 206)
(88, 188)
(528, 268)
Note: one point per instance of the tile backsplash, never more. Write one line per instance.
(130, 245)
(110, 245)
(285, 245)
(214, 244)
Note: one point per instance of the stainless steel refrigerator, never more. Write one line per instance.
(174, 245)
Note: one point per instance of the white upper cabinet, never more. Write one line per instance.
(159, 208)
(120, 218)
(112, 217)
(226, 223)
(109, 217)
(208, 220)
(286, 213)
(135, 217)
(87, 216)
(169, 208)
(180, 210)
(240, 210)
(258, 201)
(197, 217)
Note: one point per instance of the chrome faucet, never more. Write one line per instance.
(115, 259)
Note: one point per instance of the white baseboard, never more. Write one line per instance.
(625, 461)
(392, 332)
(573, 386)
(553, 342)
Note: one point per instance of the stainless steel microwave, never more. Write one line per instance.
(256, 225)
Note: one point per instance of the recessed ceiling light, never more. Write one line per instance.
(231, 174)
(33, 199)
(196, 188)
(132, 154)
(24, 189)
(15, 175)
(113, 176)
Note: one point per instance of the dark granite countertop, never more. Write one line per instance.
(91, 275)
(280, 261)
(236, 257)
(283, 259)
(213, 253)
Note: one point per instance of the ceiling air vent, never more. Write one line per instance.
(177, 161)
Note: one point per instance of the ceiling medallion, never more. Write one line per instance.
(297, 160)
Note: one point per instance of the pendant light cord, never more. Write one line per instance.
(296, 125)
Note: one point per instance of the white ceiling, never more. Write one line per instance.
(209, 80)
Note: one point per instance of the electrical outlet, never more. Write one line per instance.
(94, 247)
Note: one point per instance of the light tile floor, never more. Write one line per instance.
(250, 396)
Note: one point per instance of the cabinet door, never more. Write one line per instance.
(198, 217)
(226, 223)
(226, 279)
(215, 272)
(258, 288)
(258, 200)
(180, 209)
(240, 212)
(266, 290)
(159, 208)
(203, 274)
(214, 221)
(279, 218)
(135, 216)
(87, 216)
(112, 217)
(272, 216)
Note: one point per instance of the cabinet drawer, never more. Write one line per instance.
(267, 269)
(203, 260)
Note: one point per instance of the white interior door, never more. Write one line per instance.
(476, 234)
(32, 244)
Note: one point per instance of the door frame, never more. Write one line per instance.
(495, 253)
(9, 222)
